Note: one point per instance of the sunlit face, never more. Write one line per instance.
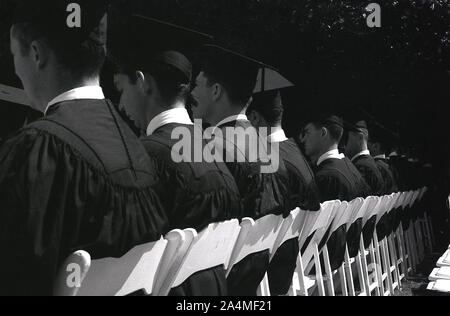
(203, 96)
(26, 69)
(312, 139)
(132, 100)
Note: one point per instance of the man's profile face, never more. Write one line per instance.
(131, 100)
(312, 139)
(25, 69)
(202, 96)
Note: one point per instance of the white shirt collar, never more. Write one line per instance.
(81, 93)
(240, 117)
(380, 157)
(277, 137)
(332, 154)
(363, 153)
(172, 116)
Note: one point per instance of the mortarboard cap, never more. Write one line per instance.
(152, 40)
(325, 117)
(253, 76)
(270, 79)
(54, 19)
(357, 126)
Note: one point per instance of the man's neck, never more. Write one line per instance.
(158, 109)
(324, 151)
(227, 111)
(59, 86)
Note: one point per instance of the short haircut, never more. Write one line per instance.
(173, 85)
(269, 106)
(335, 130)
(238, 79)
(80, 59)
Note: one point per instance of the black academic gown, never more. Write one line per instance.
(262, 194)
(303, 193)
(194, 195)
(386, 223)
(370, 172)
(338, 179)
(77, 179)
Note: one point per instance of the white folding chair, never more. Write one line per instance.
(440, 274)
(209, 249)
(405, 237)
(355, 213)
(444, 261)
(413, 242)
(255, 237)
(137, 271)
(442, 286)
(371, 277)
(392, 248)
(341, 218)
(315, 227)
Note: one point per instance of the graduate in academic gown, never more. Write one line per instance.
(78, 179)
(377, 141)
(336, 177)
(266, 111)
(194, 192)
(357, 150)
(223, 90)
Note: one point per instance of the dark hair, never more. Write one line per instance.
(238, 80)
(172, 83)
(336, 131)
(80, 59)
(269, 106)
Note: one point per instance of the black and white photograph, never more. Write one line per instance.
(225, 153)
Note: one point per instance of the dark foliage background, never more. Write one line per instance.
(397, 74)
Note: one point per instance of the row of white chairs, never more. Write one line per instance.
(440, 277)
(391, 259)
(155, 268)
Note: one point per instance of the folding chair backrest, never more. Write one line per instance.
(136, 271)
(342, 216)
(368, 207)
(423, 191)
(374, 207)
(328, 212)
(179, 243)
(291, 228)
(355, 209)
(383, 207)
(408, 199)
(209, 249)
(254, 237)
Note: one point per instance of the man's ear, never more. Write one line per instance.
(323, 132)
(254, 118)
(143, 82)
(39, 52)
(216, 91)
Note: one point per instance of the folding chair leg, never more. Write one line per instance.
(343, 281)
(330, 281)
(300, 274)
(362, 283)
(348, 269)
(377, 274)
(428, 234)
(365, 268)
(387, 267)
(380, 264)
(393, 262)
(264, 289)
(402, 254)
(430, 228)
(319, 277)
